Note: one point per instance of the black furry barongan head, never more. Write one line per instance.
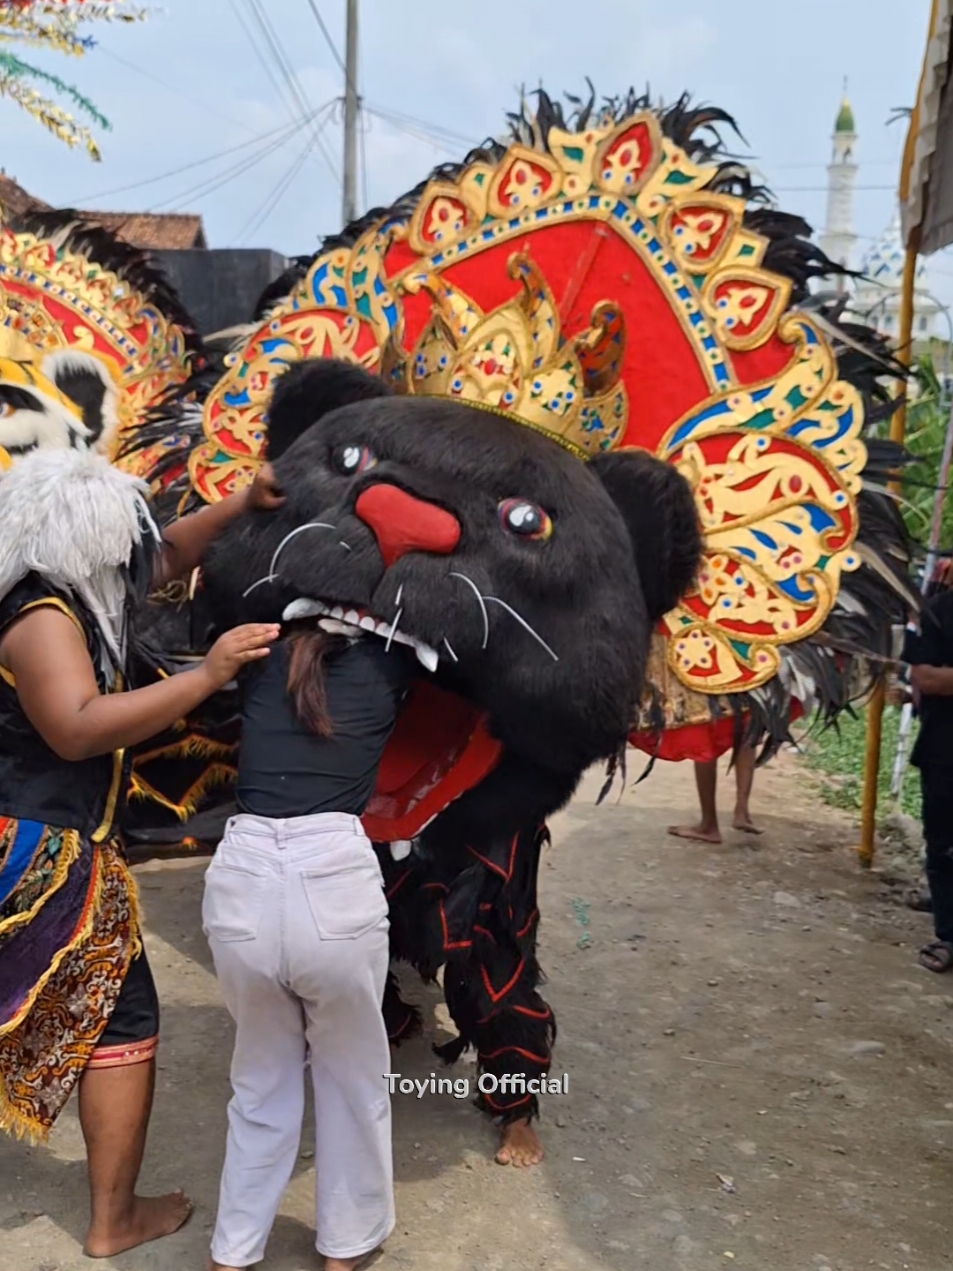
(309, 390)
(532, 576)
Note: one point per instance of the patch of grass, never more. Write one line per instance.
(837, 756)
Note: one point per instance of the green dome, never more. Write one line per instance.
(845, 118)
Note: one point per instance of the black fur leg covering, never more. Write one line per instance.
(401, 1020)
(491, 986)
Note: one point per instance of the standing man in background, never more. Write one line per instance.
(929, 651)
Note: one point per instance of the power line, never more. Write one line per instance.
(214, 183)
(287, 72)
(186, 167)
(141, 70)
(264, 210)
(262, 61)
(398, 118)
(327, 35)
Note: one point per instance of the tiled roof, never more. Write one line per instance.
(149, 231)
(153, 231)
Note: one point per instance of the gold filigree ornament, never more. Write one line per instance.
(774, 470)
(56, 299)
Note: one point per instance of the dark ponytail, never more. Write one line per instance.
(308, 650)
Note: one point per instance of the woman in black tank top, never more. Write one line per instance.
(296, 918)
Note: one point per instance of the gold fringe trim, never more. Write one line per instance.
(68, 856)
(81, 934)
(216, 774)
(189, 747)
(19, 1125)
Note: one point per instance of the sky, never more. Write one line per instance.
(201, 119)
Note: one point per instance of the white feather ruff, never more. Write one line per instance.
(72, 517)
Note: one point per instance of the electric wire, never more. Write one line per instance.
(264, 210)
(171, 88)
(262, 60)
(215, 182)
(327, 35)
(288, 73)
(187, 167)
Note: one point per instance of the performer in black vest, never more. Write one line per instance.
(78, 551)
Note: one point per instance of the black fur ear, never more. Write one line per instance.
(311, 389)
(659, 509)
(84, 380)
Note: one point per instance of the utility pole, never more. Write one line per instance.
(351, 110)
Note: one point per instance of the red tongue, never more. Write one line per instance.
(439, 749)
(402, 523)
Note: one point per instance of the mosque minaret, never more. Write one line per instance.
(838, 239)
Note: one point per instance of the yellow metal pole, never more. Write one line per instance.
(898, 430)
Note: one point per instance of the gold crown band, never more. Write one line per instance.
(514, 419)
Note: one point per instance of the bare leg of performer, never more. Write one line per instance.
(706, 831)
(519, 1145)
(114, 1107)
(744, 779)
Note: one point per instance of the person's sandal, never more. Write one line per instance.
(937, 957)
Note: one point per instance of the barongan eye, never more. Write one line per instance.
(351, 460)
(525, 519)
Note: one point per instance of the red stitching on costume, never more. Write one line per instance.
(506, 874)
(494, 996)
(529, 922)
(397, 886)
(430, 886)
(403, 1028)
(483, 932)
(506, 1107)
(545, 1060)
(447, 944)
(525, 1010)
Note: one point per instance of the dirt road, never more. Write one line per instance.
(759, 1074)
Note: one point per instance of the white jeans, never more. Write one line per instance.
(296, 919)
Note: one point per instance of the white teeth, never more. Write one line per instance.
(333, 627)
(426, 656)
(351, 624)
(303, 608)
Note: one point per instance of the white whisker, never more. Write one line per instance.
(347, 546)
(311, 525)
(400, 592)
(268, 578)
(450, 649)
(476, 591)
(523, 623)
(393, 631)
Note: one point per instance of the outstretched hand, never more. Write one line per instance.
(264, 493)
(231, 651)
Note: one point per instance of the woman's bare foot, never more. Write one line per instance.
(701, 833)
(150, 1218)
(348, 1264)
(520, 1145)
(743, 822)
(221, 1266)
